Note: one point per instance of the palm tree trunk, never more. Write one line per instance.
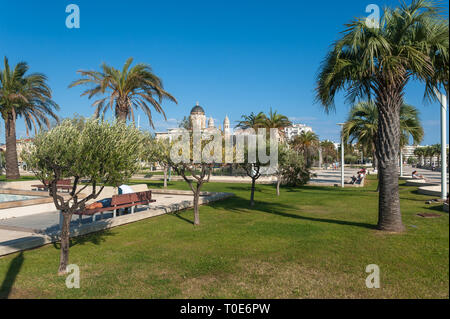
(121, 111)
(375, 166)
(12, 168)
(388, 143)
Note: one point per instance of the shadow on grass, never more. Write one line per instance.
(178, 215)
(239, 204)
(95, 238)
(438, 208)
(11, 274)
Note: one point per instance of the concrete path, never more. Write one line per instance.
(331, 177)
(36, 230)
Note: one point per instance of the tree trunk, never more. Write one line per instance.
(388, 143)
(121, 110)
(252, 194)
(196, 211)
(278, 185)
(65, 243)
(165, 176)
(12, 168)
(375, 161)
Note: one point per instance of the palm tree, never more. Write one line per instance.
(253, 121)
(437, 152)
(328, 151)
(127, 89)
(26, 96)
(378, 62)
(278, 121)
(362, 126)
(420, 153)
(306, 143)
(429, 153)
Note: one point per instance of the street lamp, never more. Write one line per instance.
(401, 162)
(443, 100)
(342, 153)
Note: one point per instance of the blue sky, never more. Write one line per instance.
(234, 57)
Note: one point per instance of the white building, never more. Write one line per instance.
(295, 130)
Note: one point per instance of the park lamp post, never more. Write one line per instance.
(443, 101)
(342, 153)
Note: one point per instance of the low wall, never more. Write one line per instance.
(419, 182)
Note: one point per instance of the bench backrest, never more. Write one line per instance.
(131, 198)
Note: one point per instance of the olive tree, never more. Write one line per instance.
(293, 168)
(157, 151)
(100, 152)
(261, 155)
(200, 174)
(192, 155)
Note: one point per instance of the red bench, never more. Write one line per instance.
(63, 184)
(122, 201)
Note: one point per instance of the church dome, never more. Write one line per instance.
(197, 109)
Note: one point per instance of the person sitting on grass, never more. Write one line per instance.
(416, 175)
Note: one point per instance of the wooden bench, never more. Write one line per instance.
(120, 202)
(63, 184)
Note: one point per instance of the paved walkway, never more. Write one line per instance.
(35, 230)
(331, 177)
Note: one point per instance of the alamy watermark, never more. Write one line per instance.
(73, 19)
(73, 277)
(373, 19)
(373, 280)
(211, 147)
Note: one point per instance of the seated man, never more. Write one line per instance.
(416, 175)
(360, 178)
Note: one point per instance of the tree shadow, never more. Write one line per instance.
(236, 205)
(95, 238)
(11, 274)
(438, 208)
(177, 214)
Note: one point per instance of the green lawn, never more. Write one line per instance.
(311, 242)
(22, 178)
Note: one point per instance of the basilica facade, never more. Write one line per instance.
(198, 120)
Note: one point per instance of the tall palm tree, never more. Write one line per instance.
(362, 126)
(306, 143)
(124, 90)
(26, 96)
(278, 121)
(253, 121)
(437, 152)
(329, 153)
(378, 62)
(420, 153)
(429, 153)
